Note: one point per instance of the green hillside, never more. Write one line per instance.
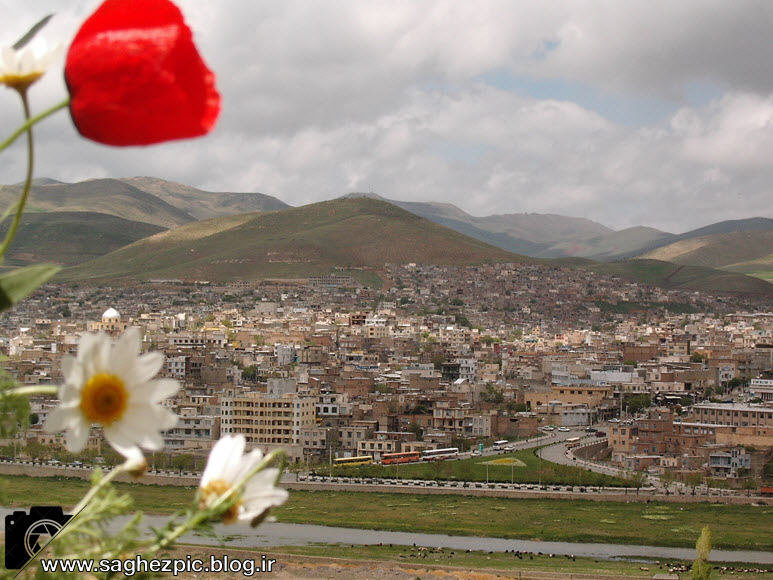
(69, 238)
(680, 277)
(357, 235)
(610, 246)
(747, 252)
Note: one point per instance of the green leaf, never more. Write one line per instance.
(22, 42)
(19, 284)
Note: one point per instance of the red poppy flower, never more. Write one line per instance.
(136, 78)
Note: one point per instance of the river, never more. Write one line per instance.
(275, 534)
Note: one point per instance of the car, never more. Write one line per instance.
(548, 428)
(600, 434)
(590, 429)
(476, 453)
(614, 420)
(564, 429)
(508, 448)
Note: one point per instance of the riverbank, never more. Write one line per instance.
(745, 527)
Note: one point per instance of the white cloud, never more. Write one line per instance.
(325, 98)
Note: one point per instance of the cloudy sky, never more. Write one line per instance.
(655, 113)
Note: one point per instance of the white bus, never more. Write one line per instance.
(434, 454)
(499, 444)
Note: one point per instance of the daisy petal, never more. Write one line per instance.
(77, 437)
(162, 389)
(58, 420)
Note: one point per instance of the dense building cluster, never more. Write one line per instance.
(438, 356)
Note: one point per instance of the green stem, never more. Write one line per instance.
(27, 391)
(28, 181)
(202, 516)
(33, 121)
(125, 466)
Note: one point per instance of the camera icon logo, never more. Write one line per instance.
(26, 534)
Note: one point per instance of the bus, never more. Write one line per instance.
(359, 460)
(572, 442)
(405, 457)
(436, 454)
(499, 444)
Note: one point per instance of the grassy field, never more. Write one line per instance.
(520, 467)
(679, 525)
(510, 562)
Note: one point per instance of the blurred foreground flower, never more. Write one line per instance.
(230, 472)
(20, 68)
(136, 78)
(112, 386)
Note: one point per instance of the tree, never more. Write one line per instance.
(415, 428)
(440, 469)
(636, 403)
(492, 394)
(700, 568)
(750, 484)
(693, 480)
(636, 479)
(668, 478)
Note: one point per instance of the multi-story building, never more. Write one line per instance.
(727, 462)
(733, 414)
(193, 432)
(269, 420)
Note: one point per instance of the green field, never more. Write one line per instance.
(475, 469)
(679, 525)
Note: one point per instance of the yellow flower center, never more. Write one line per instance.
(211, 492)
(20, 82)
(104, 398)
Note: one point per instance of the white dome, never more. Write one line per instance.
(110, 313)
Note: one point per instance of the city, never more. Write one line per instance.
(440, 357)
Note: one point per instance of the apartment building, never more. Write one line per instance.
(269, 420)
(733, 414)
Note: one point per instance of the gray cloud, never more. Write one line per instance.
(321, 99)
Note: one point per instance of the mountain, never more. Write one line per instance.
(144, 199)
(526, 233)
(107, 196)
(354, 235)
(554, 236)
(205, 204)
(610, 246)
(69, 238)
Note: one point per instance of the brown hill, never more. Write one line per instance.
(353, 235)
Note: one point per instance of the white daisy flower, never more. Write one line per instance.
(21, 68)
(230, 470)
(112, 386)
